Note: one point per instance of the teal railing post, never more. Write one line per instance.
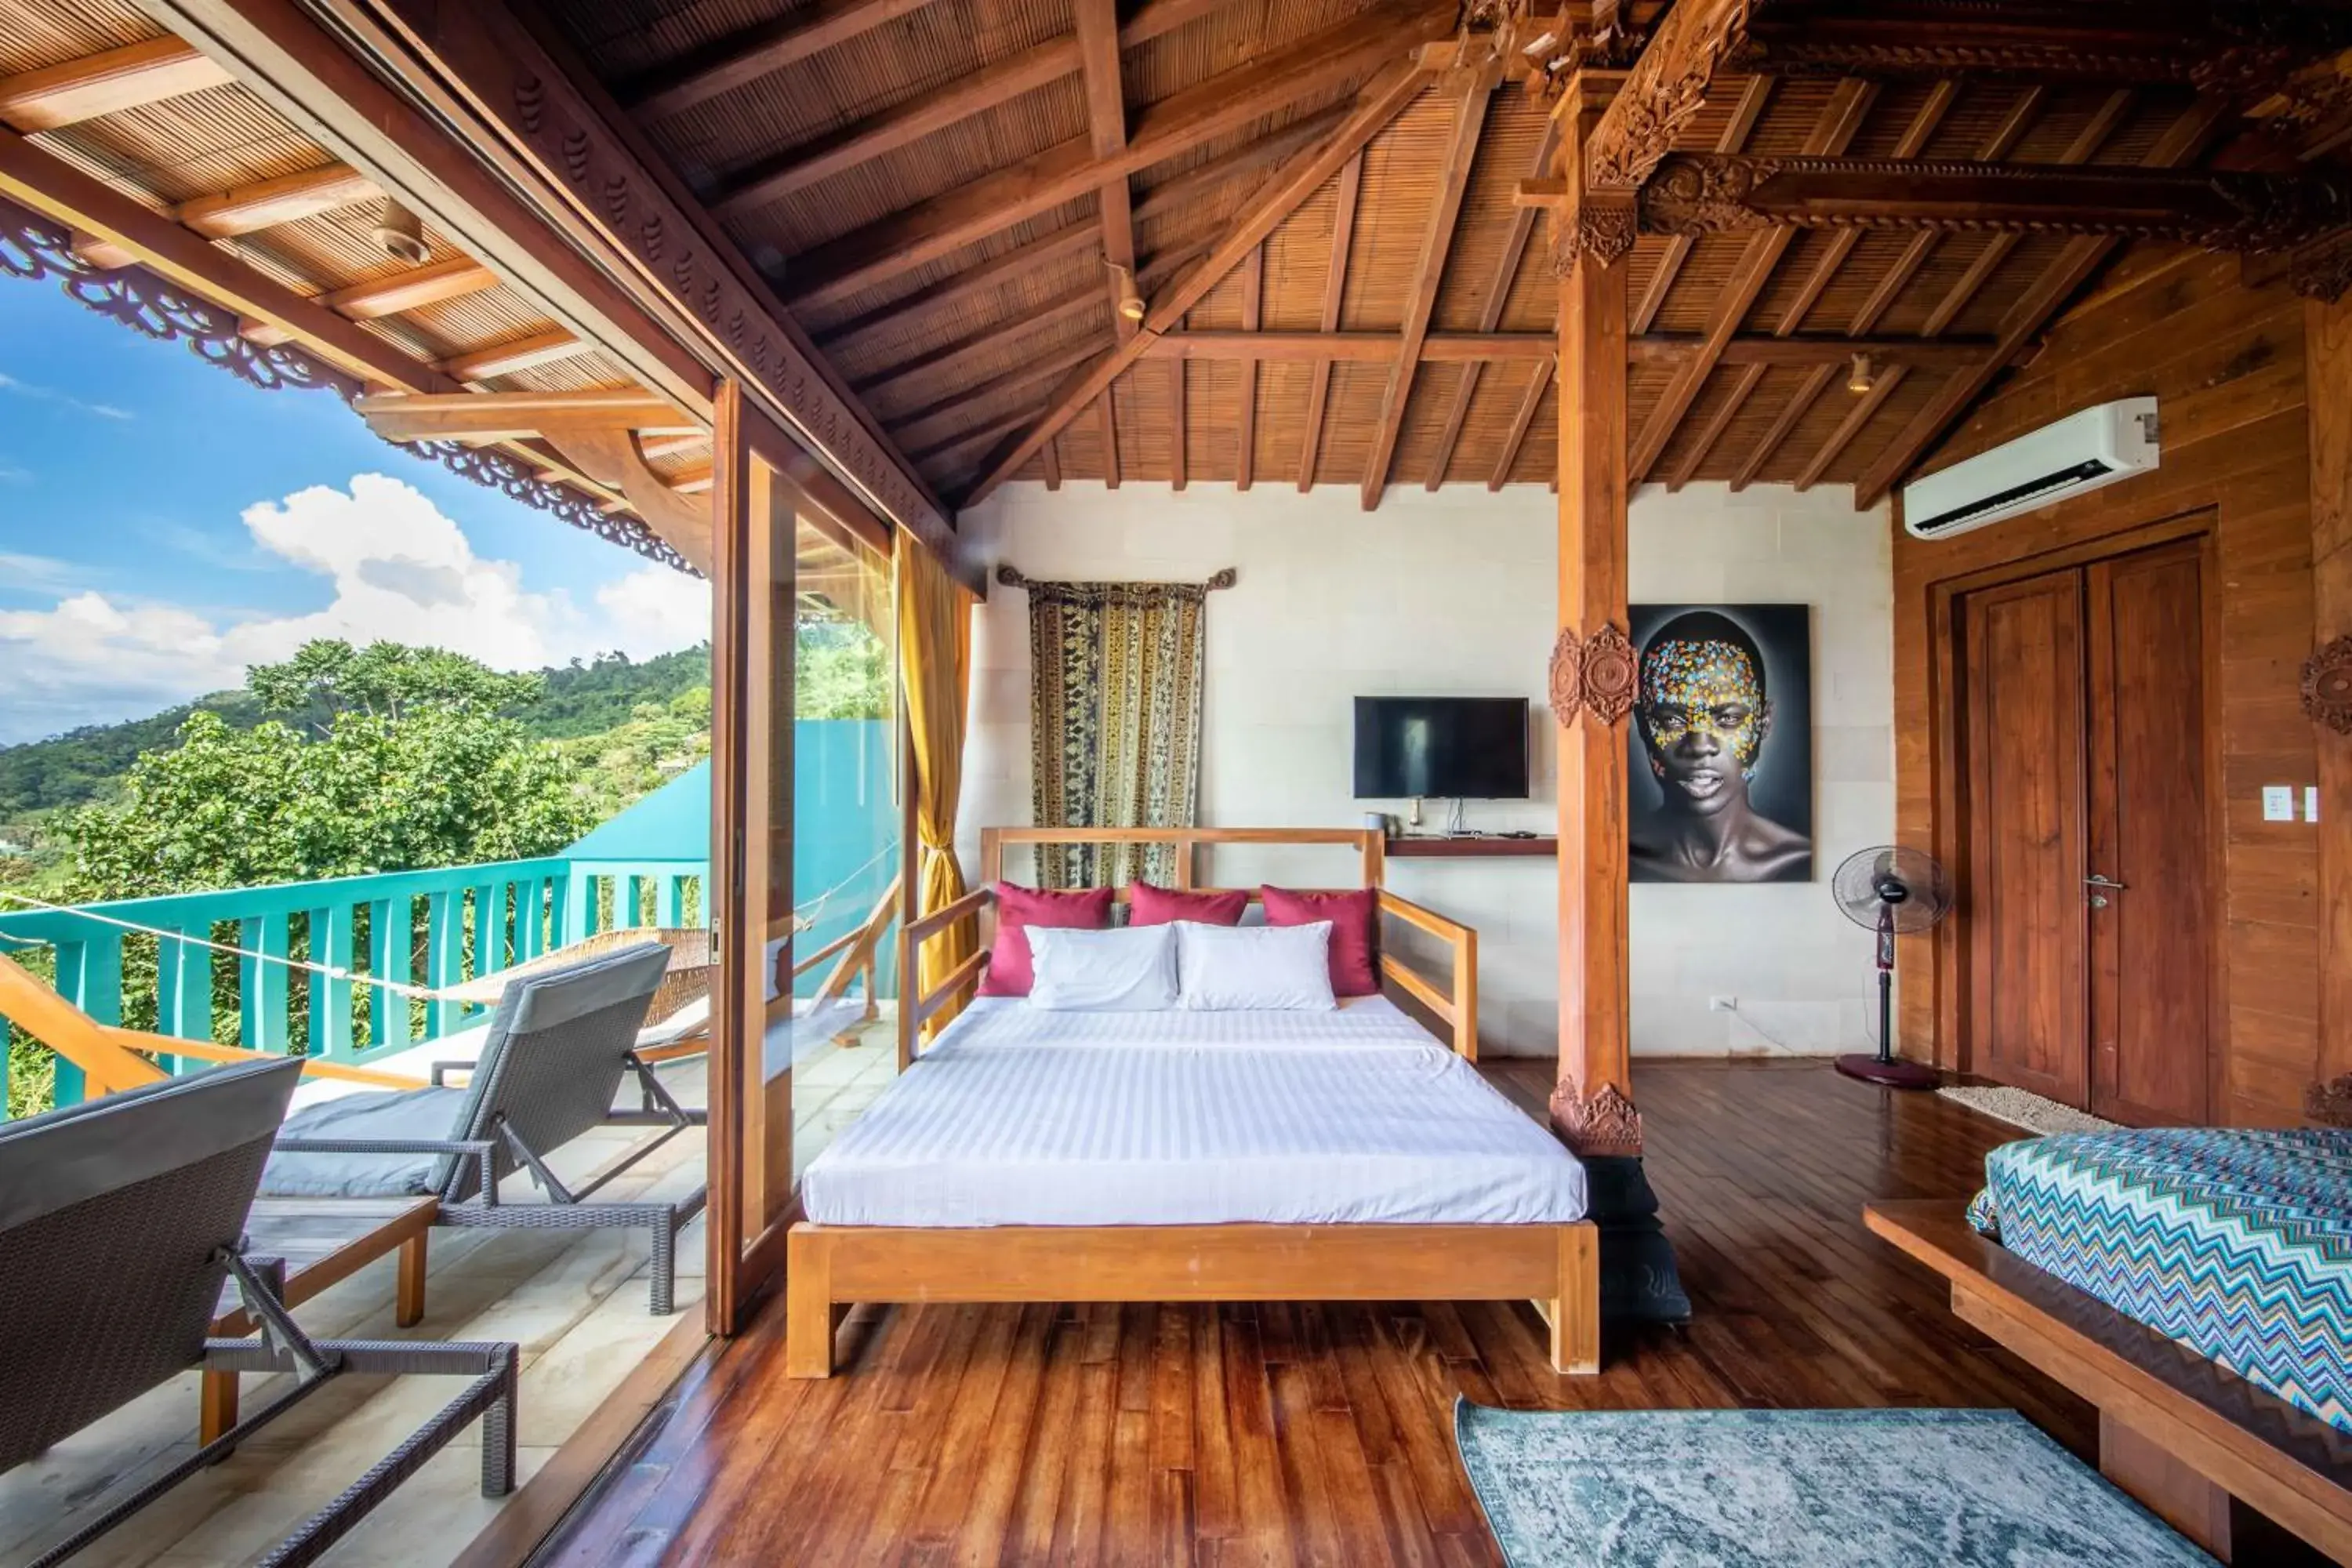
(525, 894)
(183, 990)
(489, 930)
(392, 953)
(575, 901)
(330, 999)
(266, 1021)
(89, 975)
(638, 888)
(672, 912)
(444, 946)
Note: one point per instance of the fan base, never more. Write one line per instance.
(1895, 1074)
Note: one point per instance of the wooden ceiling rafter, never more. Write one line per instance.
(1052, 457)
(1531, 401)
(1245, 425)
(876, 252)
(747, 56)
(265, 203)
(1744, 116)
(107, 82)
(1350, 190)
(1867, 405)
(980, 344)
(526, 353)
(1490, 313)
(1712, 432)
(1437, 241)
(1097, 46)
(1026, 372)
(1929, 115)
(2005, 136)
(1832, 134)
(1380, 102)
(1107, 425)
(434, 283)
(2081, 258)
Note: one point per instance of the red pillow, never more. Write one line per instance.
(1009, 973)
(1355, 933)
(1150, 906)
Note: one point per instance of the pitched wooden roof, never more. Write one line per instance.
(934, 186)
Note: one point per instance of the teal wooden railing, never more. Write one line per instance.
(431, 929)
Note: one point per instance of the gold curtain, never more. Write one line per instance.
(935, 652)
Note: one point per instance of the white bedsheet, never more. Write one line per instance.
(1017, 1116)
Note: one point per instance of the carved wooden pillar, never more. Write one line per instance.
(2327, 678)
(1593, 666)
(1593, 678)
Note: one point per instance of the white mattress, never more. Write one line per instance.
(1022, 1117)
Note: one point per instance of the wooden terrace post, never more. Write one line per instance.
(1591, 689)
(2327, 339)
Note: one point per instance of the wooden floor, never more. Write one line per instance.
(1321, 1434)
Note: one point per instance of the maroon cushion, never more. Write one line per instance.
(1150, 906)
(1355, 931)
(1009, 973)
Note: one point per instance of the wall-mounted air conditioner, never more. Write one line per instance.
(2079, 453)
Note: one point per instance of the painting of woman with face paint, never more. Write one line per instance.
(1722, 757)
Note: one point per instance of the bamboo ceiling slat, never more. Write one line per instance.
(42, 33)
(1506, 153)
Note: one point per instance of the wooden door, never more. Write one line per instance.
(2150, 970)
(2023, 669)
(2087, 896)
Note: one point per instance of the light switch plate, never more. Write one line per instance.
(2311, 803)
(2278, 802)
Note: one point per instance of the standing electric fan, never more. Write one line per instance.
(1894, 892)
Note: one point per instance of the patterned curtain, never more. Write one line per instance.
(1114, 718)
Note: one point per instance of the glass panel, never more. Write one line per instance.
(848, 812)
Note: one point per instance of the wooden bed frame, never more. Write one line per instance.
(2178, 1432)
(1557, 1267)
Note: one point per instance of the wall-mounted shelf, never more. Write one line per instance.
(1433, 847)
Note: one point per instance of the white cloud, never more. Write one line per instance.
(399, 570)
(51, 395)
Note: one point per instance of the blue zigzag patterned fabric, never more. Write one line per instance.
(2237, 1243)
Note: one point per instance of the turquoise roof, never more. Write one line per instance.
(671, 824)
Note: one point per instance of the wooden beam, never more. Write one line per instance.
(1882, 387)
(1429, 270)
(1253, 313)
(1436, 348)
(1072, 239)
(1108, 423)
(866, 257)
(1668, 85)
(1831, 132)
(1694, 459)
(1380, 102)
(1750, 109)
(503, 416)
(1795, 409)
(46, 184)
(1176, 453)
(2327, 379)
(747, 56)
(983, 341)
(1669, 348)
(411, 290)
(797, 168)
(265, 203)
(1053, 459)
(1897, 40)
(2081, 257)
(2004, 140)
(995, 429)
(1929, 115)
(1334, 287)
(1027, 373)
(105, 83)
(517, 353)
(1490, 314)
(1097, 51)
(1250, 158)
(1997, 250)
(1529, 401)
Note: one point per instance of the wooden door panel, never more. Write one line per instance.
(2150, 969)
(2023, 674)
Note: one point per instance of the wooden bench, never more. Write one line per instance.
(323, 1241)
(2177, 1431)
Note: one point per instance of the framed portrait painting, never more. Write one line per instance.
(1722, 746)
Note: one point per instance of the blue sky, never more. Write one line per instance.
(162, 522)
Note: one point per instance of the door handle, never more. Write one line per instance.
(2103, 886)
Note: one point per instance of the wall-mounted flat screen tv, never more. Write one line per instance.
(1466, 748)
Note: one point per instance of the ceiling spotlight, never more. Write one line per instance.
(1131, 303)
(400, 234)
(1862, 377)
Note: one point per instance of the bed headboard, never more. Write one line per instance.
(1454, 1003)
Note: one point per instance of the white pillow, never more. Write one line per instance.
(1228, 969)
(1125, 969)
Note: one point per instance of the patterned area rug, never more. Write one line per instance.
(1798, 1489)
(2030, 1111)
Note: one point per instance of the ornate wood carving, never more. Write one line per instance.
(1603, 227)
(1601, 1123)
(2322, 270)
(507, 71)
(2327, 686)
(34, 248)
(1592, 674)
(1706, 192)
(1665, 88)
(2329, 1104)
(1566, 676)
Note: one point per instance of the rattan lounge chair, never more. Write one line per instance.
(119, 1221)
(558, 1048)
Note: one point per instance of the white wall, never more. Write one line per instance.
(1454, 594)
